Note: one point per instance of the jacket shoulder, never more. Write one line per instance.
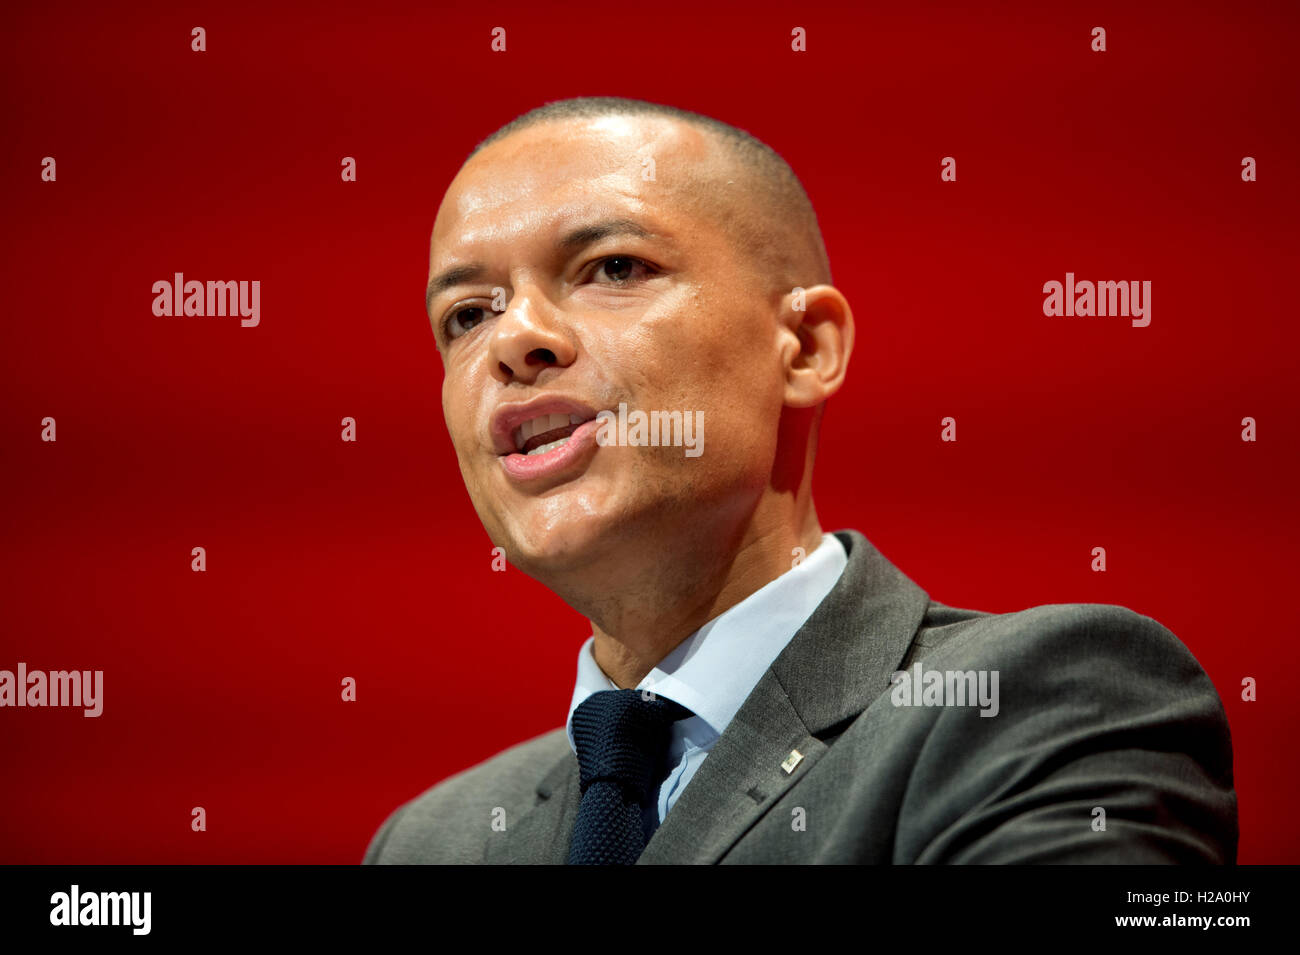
(451, 821)
(1096, 706)
(1094, 636)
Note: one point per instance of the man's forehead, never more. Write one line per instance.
(549, 176)
(548, 213)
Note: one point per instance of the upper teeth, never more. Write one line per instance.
(542, 424)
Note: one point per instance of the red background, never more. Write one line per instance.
(328, 559)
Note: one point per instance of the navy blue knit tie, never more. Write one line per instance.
(622, 742)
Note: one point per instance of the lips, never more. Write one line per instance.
(526, 427)
(538, 435)
(562, 459)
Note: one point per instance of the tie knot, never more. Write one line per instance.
(622, 737)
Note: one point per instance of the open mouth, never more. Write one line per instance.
(545, 432)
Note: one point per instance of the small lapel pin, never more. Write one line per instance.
(792, 761)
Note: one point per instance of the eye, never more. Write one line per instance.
(620, 268)
(461, 320)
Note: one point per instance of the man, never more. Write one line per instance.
(801, 700)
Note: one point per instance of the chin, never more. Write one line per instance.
(560, 544)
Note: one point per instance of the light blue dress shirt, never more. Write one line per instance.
(714, 670)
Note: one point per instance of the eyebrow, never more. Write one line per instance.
(574, 239)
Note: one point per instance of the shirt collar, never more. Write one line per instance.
(713, 671)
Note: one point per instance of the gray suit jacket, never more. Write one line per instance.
(1098, 707)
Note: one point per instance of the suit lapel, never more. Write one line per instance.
(739, 780)
(840, 660)
(541, 835)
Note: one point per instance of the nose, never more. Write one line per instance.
(527, 338)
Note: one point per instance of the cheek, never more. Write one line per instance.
(701, 342)
(458, 415)
(701, 357)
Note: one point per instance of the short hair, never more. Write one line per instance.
(782, 194)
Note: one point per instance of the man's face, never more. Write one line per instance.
(618, 289)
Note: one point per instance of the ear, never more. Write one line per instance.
(817, 338)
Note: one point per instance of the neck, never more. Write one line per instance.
(679, 587)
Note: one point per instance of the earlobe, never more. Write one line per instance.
(820, 324)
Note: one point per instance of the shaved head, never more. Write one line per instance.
(734, 179)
